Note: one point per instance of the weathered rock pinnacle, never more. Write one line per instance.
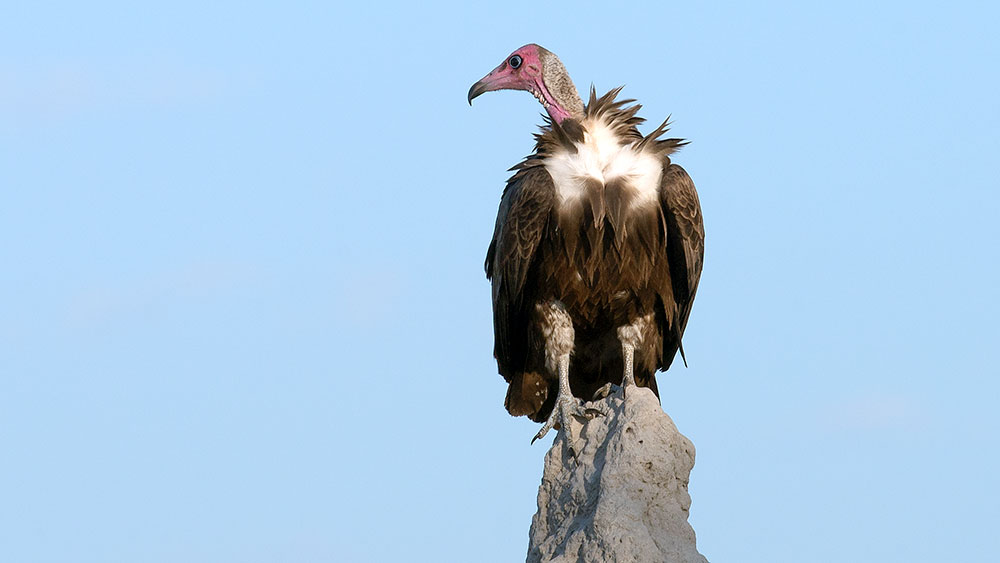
(625, 496)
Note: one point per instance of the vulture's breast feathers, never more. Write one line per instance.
(605, 167)
(602, 168)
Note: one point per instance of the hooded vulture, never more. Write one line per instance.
(597, 249)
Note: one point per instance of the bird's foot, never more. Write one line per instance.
(628, 382)
(565, 409)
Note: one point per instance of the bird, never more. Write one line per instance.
(597, 249)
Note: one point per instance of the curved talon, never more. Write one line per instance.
(603, 392)
(596, 409)
(565, 408)
(544, 430)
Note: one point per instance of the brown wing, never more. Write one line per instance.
(522, 220)
(685, 253)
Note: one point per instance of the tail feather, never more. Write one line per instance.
(527, 394)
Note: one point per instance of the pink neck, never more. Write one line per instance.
(557, 113)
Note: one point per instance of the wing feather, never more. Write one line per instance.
(522, 221)
(685, 254)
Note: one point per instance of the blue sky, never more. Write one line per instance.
(245, 318)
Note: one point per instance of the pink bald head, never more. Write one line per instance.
(524, 69)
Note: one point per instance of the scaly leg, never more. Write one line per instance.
(628, 353)
(631, 336)
(566, 407)
(557, 330)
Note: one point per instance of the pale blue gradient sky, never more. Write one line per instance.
(244, 317)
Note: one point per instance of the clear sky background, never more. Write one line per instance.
(244, 316)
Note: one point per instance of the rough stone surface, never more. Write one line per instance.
(625, 496)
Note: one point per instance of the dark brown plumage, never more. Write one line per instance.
(601, 252)
(597, 249)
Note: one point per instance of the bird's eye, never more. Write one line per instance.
(514, 61)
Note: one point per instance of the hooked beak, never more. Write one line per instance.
(499, 78)
(478, 88)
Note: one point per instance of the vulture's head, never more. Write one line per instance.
(534, 69)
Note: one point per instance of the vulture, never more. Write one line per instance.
(597, 249)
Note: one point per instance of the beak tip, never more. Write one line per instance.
(477, 89)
